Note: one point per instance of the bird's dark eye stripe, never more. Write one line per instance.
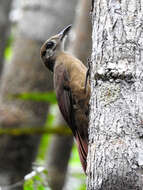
(49, 45)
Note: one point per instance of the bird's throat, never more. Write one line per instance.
(50, 63)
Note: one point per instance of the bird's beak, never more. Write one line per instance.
(64, 32)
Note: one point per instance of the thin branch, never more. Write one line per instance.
(59, 130)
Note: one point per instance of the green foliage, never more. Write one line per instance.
(82, 187)
(29, 185)
(74, 160)
(49, 97)
(37, 182)
(8, 50)
(50, 120)
(42, 148)
(8, 53)
(45, 138)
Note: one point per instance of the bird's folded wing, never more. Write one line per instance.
(66, 105)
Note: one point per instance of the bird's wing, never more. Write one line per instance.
(65, 101)
(66, 104)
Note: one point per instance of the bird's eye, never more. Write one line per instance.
(49, 45)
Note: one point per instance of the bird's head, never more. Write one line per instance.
(52, 47)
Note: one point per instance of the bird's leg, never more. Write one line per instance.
(87, 74)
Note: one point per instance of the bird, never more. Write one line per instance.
(72, 88)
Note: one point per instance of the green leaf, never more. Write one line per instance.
(37, 182)
(40, 187)
(28, 185)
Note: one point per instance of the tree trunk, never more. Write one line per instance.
(115, 157)
(81, 43)
(58, 155)
(23, 74)
(4, 27)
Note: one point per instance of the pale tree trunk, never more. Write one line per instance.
(5, 6)
(25, 73)
(58, 155)
(115, 157)
(81, 42)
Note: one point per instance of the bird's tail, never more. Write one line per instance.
(82, 143)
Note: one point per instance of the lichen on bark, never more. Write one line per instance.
(116, 129)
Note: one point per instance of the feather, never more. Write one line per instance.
(72, 114)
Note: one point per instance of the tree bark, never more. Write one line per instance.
(115, 157)
(5, 7)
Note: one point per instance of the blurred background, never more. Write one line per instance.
(37, 150)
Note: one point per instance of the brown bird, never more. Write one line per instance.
(72, 89)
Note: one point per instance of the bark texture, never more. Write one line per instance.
(115, 157)
(5, 7)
